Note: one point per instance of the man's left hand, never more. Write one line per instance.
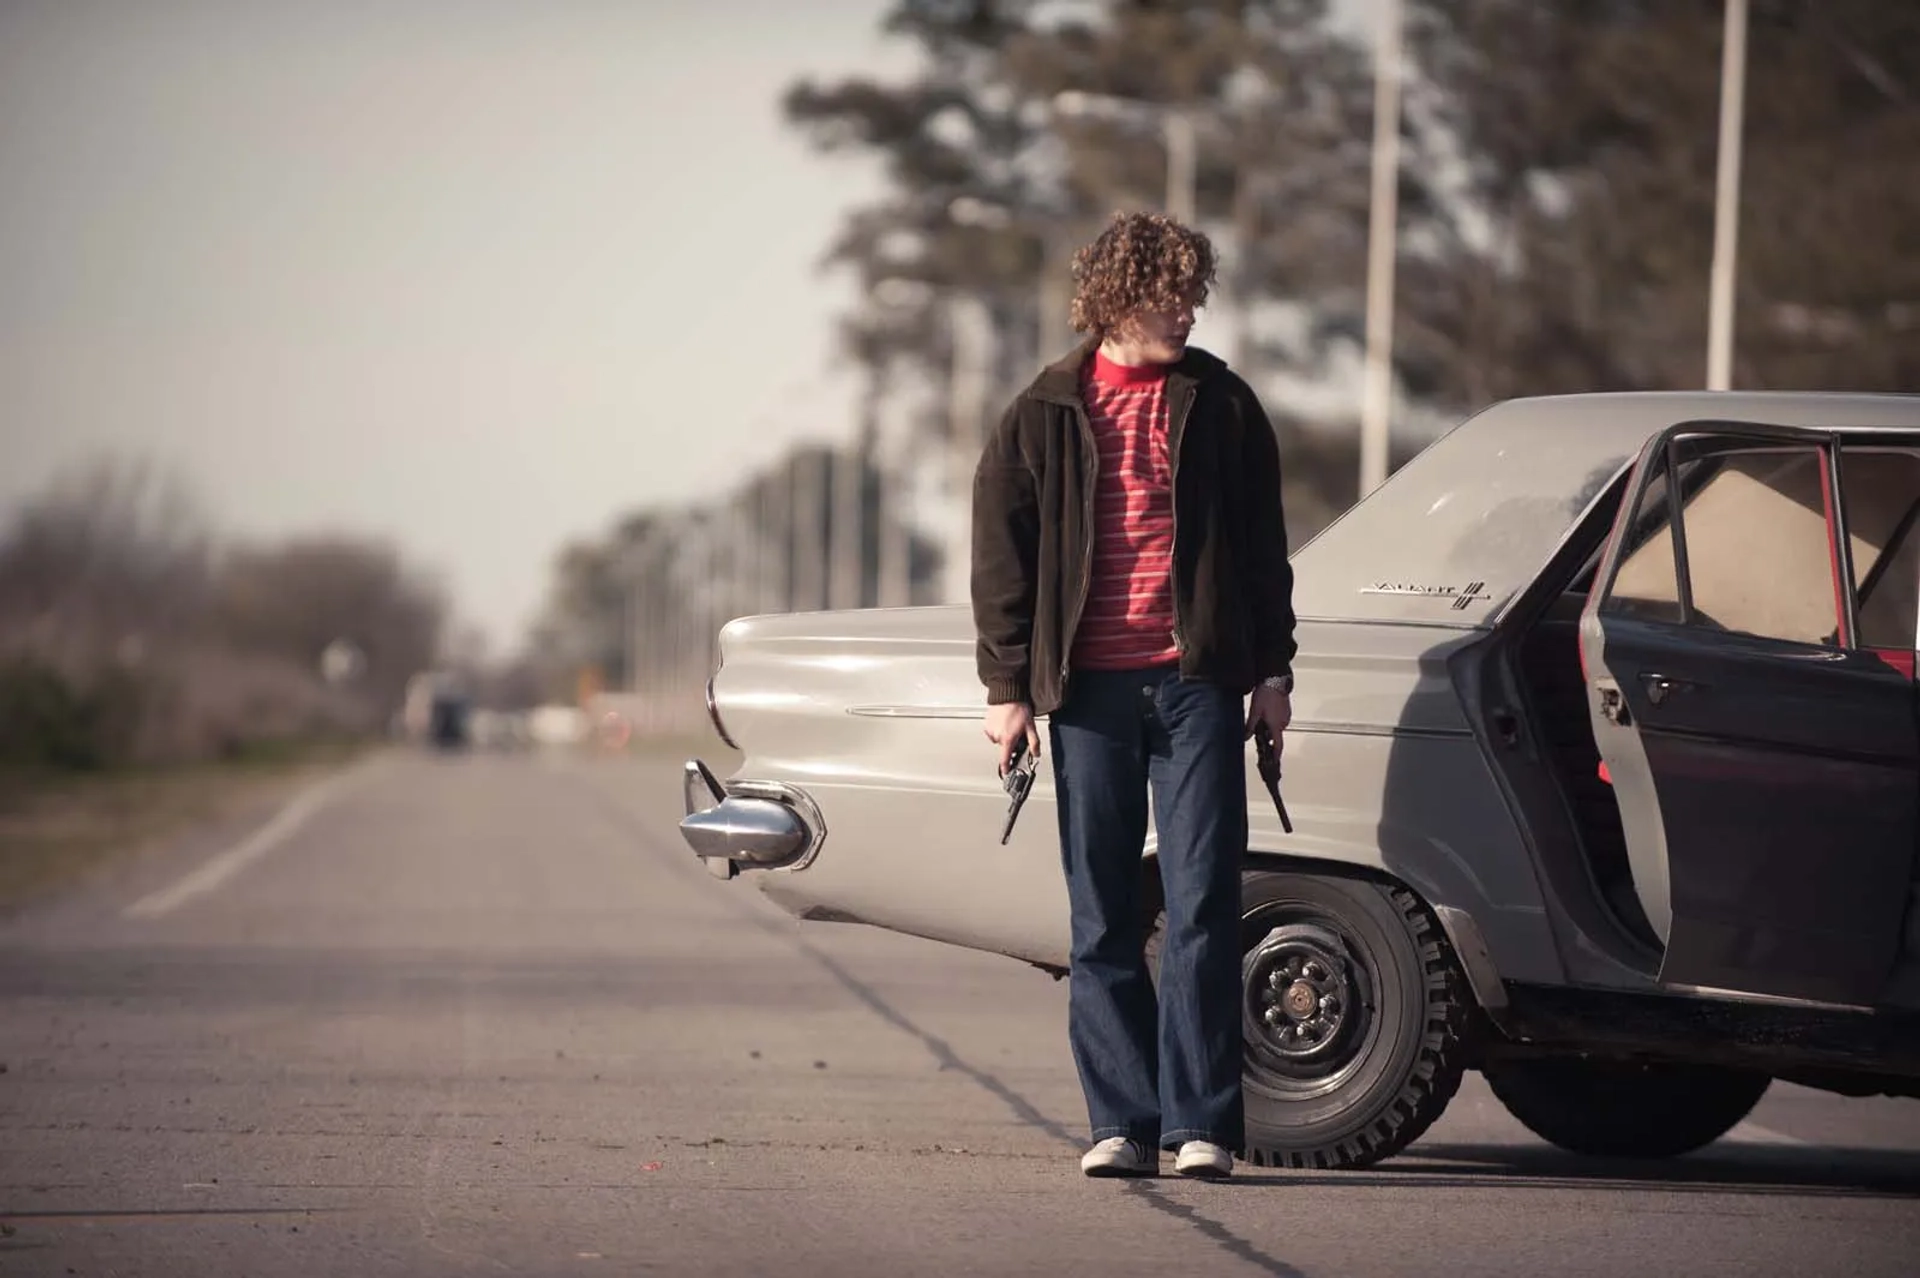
(1273, 708)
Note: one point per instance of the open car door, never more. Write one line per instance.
(1749, 650)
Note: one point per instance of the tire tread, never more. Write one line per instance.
(1434, 1076)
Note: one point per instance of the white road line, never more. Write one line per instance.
(246, 852)
(1762, 1135)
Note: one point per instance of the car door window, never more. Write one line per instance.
(1647, 585)
(1880, 491)
(1758, 557)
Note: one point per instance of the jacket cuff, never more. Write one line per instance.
(1002, 689)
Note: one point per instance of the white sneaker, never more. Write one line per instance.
(1203, 1159)
(1119, 1156)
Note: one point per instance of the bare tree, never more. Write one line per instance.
(114, 551)
(294, 599)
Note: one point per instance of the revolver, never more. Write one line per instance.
(1269, 762)
(1018, 782)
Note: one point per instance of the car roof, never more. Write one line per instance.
(1469, 521)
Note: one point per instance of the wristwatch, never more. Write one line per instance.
(1279, 683)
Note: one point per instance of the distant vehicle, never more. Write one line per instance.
(438, 710)
(492, 729)
(557, 725)
(451, 720)
(1604, 776)
(614, 718)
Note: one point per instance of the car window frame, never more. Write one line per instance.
(1660, 457)
(1904, 528)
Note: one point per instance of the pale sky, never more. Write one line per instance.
(481, 275)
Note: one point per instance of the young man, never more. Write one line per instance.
(1130, 581)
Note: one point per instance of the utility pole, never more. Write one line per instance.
(641, 609)
(749, 549)
(1183, 164)
(630, 614)
(845, 577)
(893, 587)
(849, 501)
(697, 580)
(1382, 235)
(775, 584)
(1726, 196)
(971, 335)
(733, 584)
(661, 623)
(670, 617)
(808, 501)
(1055, 306)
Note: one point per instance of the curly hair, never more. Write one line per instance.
(1140, 262)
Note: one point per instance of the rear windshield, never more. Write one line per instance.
(1464, 525)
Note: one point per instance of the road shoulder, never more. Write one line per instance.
(63, 834)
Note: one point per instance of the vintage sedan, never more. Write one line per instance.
(1604, 776)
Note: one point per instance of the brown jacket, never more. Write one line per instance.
(1033, 533)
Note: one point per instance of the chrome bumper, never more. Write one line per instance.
(755, 825)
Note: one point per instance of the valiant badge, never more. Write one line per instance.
(1460, 597)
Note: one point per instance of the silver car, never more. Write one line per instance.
(1604, 776)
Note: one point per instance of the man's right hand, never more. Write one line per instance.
(1006, 724)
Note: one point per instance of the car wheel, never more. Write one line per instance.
(1352, 1014)
(1618, 1109)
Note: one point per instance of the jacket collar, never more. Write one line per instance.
(1059, 382)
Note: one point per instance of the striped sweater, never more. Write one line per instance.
(1128, 621)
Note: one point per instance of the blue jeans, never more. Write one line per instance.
(1168, 1071)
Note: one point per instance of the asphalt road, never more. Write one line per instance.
(484, 1015)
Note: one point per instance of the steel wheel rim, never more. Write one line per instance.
(1308, 1002)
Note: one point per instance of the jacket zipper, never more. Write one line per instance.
(1176, 442)
(1091, 448)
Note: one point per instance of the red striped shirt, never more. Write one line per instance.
(1128, 621)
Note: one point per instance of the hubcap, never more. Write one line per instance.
(1303, 1013)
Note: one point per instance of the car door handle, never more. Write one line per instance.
(1659, 687)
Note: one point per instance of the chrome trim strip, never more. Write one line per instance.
(1325, 726)
(1412, 731)
(1403, 623)
(919, 712)
(1771, 1000)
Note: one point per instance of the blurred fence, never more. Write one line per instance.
(826, 528)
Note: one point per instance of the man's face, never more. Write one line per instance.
(1161, 335)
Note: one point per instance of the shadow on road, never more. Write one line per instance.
(1796, 1170)
(1228, 1241)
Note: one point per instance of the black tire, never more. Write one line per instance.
(1618, 1109)
(1353, 1086)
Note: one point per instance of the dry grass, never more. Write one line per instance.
(55, 827)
